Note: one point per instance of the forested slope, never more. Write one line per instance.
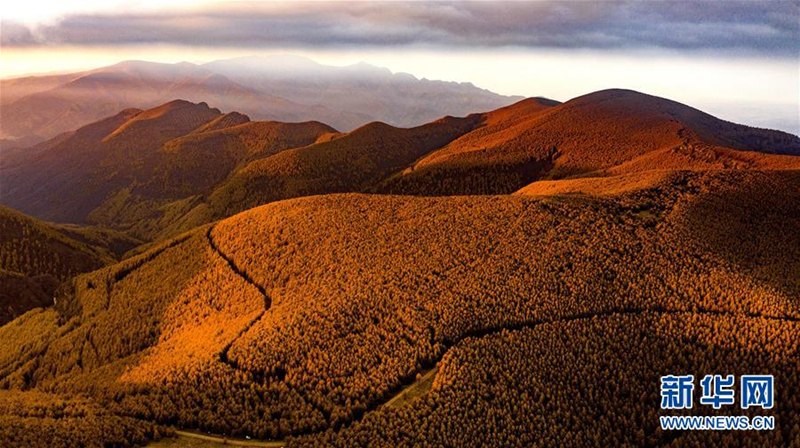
(140, 171)
(157, 173)
(618, 131)
(35, 257)
(304, 315)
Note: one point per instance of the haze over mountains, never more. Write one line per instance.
(284, 88)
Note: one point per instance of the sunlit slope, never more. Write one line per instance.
(199, 161)
(139, 170)
(618, 131)
(301, 315)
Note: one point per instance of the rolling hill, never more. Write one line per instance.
(301, 317)
(160, 172)
(599, 134)
(504, 150)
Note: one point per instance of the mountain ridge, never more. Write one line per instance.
(40, 107)
(167, 169)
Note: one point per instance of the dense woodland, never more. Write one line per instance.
(36, 419)
(36, 257)
(640, 238)
(597, 377)
(306, 315)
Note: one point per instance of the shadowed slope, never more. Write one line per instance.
(32, 247)
(35, 257)
(123, 172)
(66, 181)
(20, 293)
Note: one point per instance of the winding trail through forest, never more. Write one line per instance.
(409, 390)
(223, 355)
(423, 382)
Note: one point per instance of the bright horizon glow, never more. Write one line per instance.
(758, 85)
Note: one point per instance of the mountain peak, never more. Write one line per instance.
(175, 117)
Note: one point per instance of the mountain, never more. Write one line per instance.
(69, 102)
(599, 134)
(35, 257)
(125, 167)
(37, 108)
(502, 151)
(398, 99)
(613, 238)
(304, 317)
(351, 162)
(160, 172)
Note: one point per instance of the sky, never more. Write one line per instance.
(737, 60)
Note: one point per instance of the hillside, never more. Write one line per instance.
(20, 293)
(122, 170)
(502, 151)
(34, 248)
(307, 314)
(162, 171)
(348, 163)
(35, 257)
(606, 132)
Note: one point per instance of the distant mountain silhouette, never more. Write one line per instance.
(40, 107)
(398, 99)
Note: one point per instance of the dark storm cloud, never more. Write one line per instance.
(769, 27)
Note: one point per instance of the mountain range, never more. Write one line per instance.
(284, 88)
(520, 275)
(155, 173)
